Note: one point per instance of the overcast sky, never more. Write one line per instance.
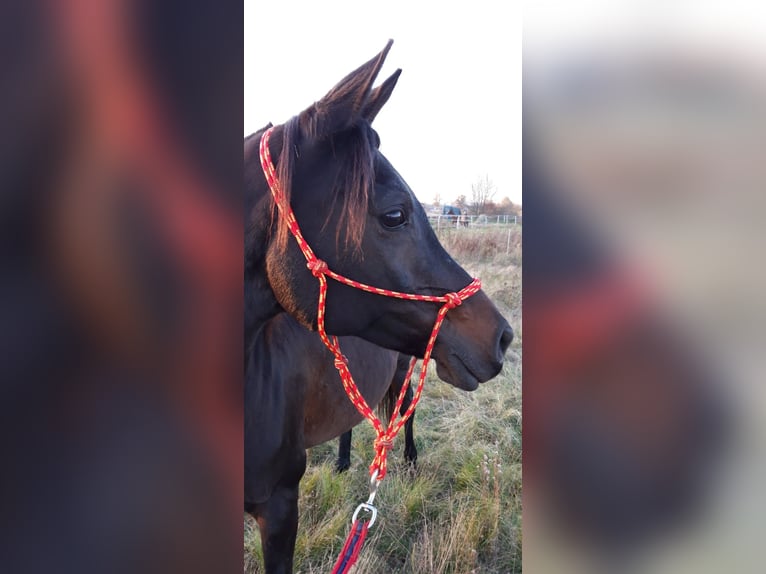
(455, 114)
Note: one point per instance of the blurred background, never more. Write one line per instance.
(644, 286)
(121, 295)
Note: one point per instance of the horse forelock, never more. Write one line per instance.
(351, 188)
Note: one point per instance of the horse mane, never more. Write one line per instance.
(352, 187)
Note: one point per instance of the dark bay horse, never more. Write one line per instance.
(360, 216)
(389, 402)
(298, 357)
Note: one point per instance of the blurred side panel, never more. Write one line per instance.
(644, 288)
(121, 298)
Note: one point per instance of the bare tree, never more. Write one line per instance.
(482, 193)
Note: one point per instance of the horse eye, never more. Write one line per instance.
(394, 218)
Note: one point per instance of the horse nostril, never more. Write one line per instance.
(505, 340)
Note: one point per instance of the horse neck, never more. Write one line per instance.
(260, 307)
(260, 303)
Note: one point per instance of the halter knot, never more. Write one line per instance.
(340, 362)
(317, 267)
(453, 300)
(384, 442)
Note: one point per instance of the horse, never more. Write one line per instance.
(361, 218)
(315, 386)
(389, 402)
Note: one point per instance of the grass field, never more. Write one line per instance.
(461, 511)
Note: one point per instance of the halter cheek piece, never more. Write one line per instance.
(385, 436)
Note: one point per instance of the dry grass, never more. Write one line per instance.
(461, 511)
(494, 255)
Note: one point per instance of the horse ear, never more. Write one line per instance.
(344, 104)
(379, 96)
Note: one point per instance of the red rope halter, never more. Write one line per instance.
(385, 436)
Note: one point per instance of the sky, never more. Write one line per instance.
(455, 114)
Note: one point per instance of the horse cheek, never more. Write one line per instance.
(289, 287)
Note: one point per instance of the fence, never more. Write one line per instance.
(438, 221)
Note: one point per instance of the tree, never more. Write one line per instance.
(482, 193)
(490, 208)
(461, 202)
(507, 207)
(437, 200)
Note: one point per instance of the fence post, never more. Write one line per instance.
(508, 243)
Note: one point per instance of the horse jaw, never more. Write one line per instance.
(459, 372)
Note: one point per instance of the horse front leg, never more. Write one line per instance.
(344, 452)
(278, 523)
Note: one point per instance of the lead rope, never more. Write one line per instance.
(384, 436)
(352, 547)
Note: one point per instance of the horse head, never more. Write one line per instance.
(360, 217)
